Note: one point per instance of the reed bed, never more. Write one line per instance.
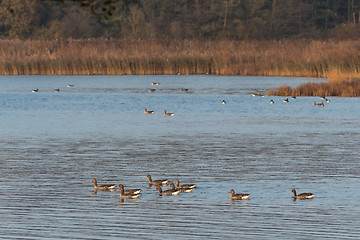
(346, 88)
(121, 56)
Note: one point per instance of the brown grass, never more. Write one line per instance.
(347, 88)
(337, 60)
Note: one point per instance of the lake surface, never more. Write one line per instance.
(53, 144)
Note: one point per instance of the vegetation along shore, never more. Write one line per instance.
(305, 58)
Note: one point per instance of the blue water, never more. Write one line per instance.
(53, 144)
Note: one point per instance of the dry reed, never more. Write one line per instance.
(337, 60)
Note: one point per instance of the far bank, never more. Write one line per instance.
(293, 58)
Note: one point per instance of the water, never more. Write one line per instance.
(53, 144)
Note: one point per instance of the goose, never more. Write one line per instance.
(223, 102)
(183, 189)
(303, 195)
(105, 187)
(157, 182)
(148, 112)
(272, 101)
(151, 90)
(258, 95)
(238, 196)
(322, 97)
(293, 97)
(177, 182)
(126, 194)
(35, 90)
(167, 192)
(318, 104)
(155, 83)
(327, 100)
(184, 89)
(129, 191)
(168, 114)
(57, 90)
(71, 85)
(286, 100)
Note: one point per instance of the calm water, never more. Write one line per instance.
(53, 144)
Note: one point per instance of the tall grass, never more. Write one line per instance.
(337, 60)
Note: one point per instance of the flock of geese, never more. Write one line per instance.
(286, 100)
(175, 189)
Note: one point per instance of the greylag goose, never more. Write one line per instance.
(177, 182)
(129, 193)
(155, 83)
(180, 189)
(148, 112)
(167, 192)
(238, 196)
(168, 114)
(318, 104)
(272, 101)
(157, 182)
(104, 187)
(302, 195)
(286, 100)
(151, 90)
(57, 90)
(223, 102)
(35, 90)
(71, 85)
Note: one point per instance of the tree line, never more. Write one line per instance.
(179, 19)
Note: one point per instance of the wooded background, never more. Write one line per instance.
(180, 19)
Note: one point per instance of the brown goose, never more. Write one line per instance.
(302, 195)
(157, 182)
(130, 193)
(318, 104)
(180, 189)
(239, 196)
(148, 112)
(184, 185)
(167, 192)
(152, 90)
(104, 187)
(168, 114)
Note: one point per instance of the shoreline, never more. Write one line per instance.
(287, 58)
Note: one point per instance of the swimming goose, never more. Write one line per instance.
(151, 90)
(57, 90)
(129, 191)
(258, 95)
(302, 195)
(318, 104)
(184, 185)
(168, 114)
(167, 192)
(105, 187)
(223, 102)
(322, 97)
(148, 112)
(184, 89)
(327, 100)
(238, 196)
(125, 195)
(293, 97)
(71, 85)
(157, 182)
(272, 101)
(35, 90)
(183, 189)
(155, 83)
(286, 100)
